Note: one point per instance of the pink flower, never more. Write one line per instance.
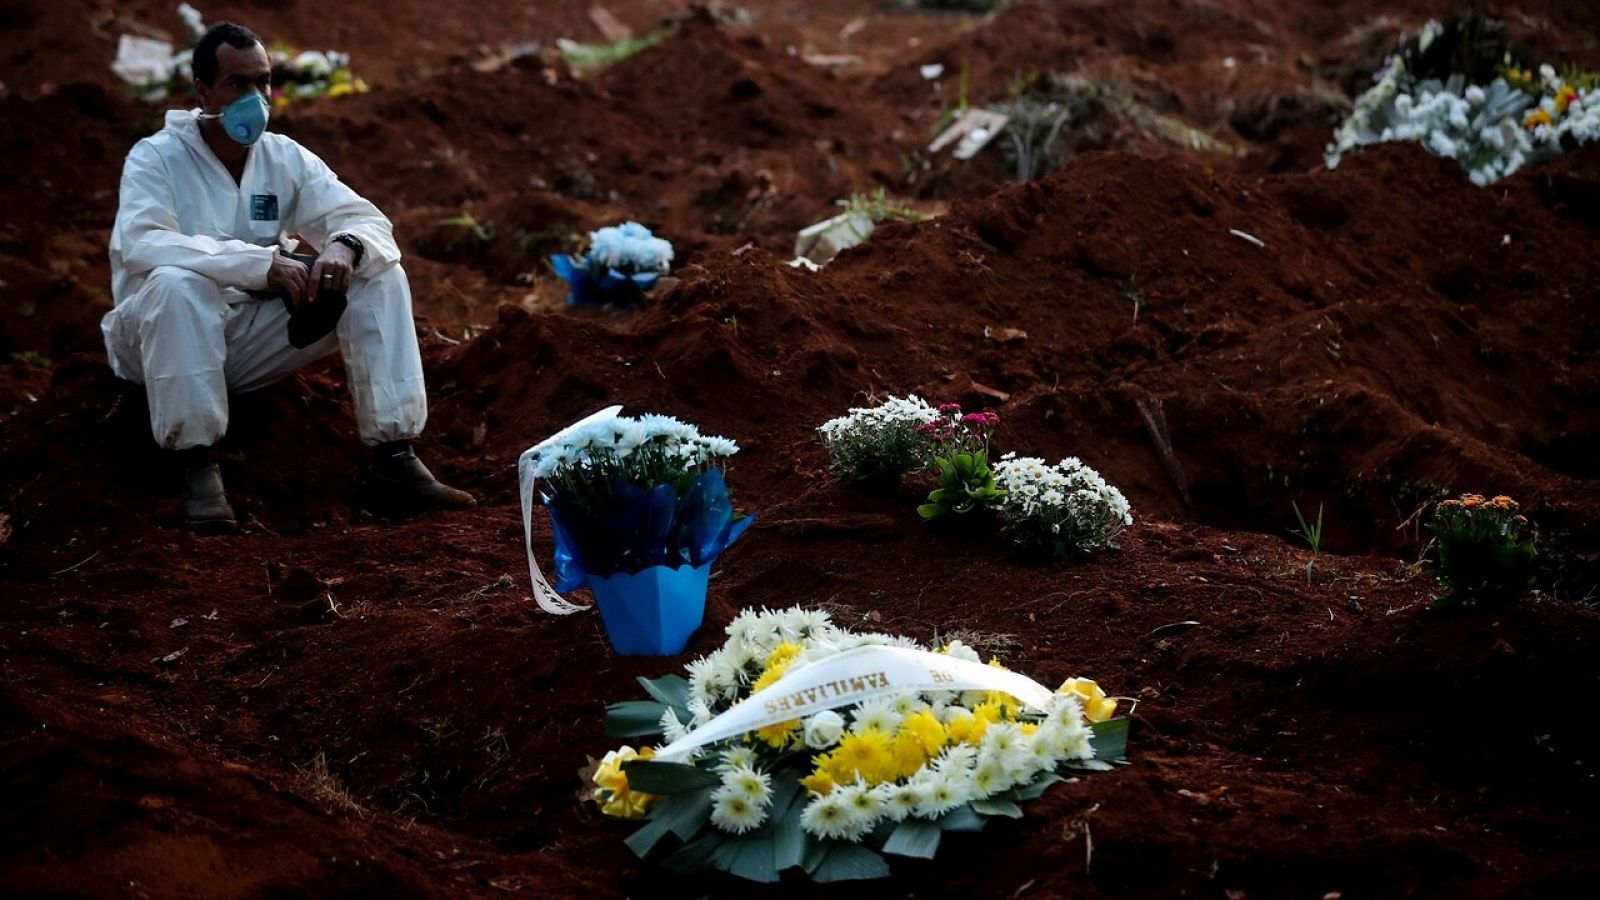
(950, 409)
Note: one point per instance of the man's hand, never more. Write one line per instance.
(289, 275)
(332, 270)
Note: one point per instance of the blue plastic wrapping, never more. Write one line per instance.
(589, 289)
(641, 528)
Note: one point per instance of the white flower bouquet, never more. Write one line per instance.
(878, 445)
(1461, 90)
(802, 745)
(622, 263)
(638, 506)
(1060, 511)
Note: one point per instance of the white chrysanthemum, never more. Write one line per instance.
(699, 712)
(940, 795)
(1065, 710)
(864, 802)
(829, 817)
(733, 812)
(907, 704)
(956, 760)
(671, 728)
(991, 776)
(736, 756)
(900, 800)
(748, 782)
(1077, 746)
(875, 714)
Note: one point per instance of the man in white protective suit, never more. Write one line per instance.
(207, 204)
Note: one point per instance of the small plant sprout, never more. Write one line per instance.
(1312, 534)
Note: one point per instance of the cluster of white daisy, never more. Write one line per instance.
(628, 248)
(1492, 129)
(879, 441)
(1063, 510)
(650, 449)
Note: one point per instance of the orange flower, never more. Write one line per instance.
(1536, 118)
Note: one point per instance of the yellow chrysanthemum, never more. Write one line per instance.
(777, 664)
(1097, 707)
(819, 782)
(966, 728)
(1029, 728)
(990, 711)
(783, 654)
(866, 755)
(906, 748)
(927, 729)
(779, 735)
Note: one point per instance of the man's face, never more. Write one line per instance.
(240, 70)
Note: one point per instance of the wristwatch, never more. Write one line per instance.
(354, 243)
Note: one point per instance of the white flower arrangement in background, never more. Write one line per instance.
(1064, 510)
(1493, 127)
(879, 442)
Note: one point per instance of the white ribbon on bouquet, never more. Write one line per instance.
(543, 594)
(849, 678)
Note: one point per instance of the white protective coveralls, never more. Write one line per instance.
(189, 241)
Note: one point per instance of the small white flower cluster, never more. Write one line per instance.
(1064, 510)
(629, 446)
(879, 441)
(629, 248)
(1481, 126)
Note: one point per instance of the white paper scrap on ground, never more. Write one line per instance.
(849, 678)
(821, 242)
(141, 61)
(970, 133)
(543, 594)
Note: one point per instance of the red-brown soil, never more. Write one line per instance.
(330, 703)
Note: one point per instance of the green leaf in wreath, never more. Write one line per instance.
(914, 837)
(666, 777)
(680, 815)
(1110, 740)
(997, 806)
(673, 690)
(634, 718)
(850, 862)
(962, 818)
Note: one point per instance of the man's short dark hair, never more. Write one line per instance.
(204, 63)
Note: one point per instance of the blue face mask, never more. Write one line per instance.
(245, 118)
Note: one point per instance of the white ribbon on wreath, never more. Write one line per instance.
(849, 678)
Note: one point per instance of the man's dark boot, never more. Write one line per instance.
(203, 498)
(399, 482)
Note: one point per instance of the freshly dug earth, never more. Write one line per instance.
(332, 703)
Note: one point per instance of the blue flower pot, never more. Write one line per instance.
(652, 612)
(613, 288)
